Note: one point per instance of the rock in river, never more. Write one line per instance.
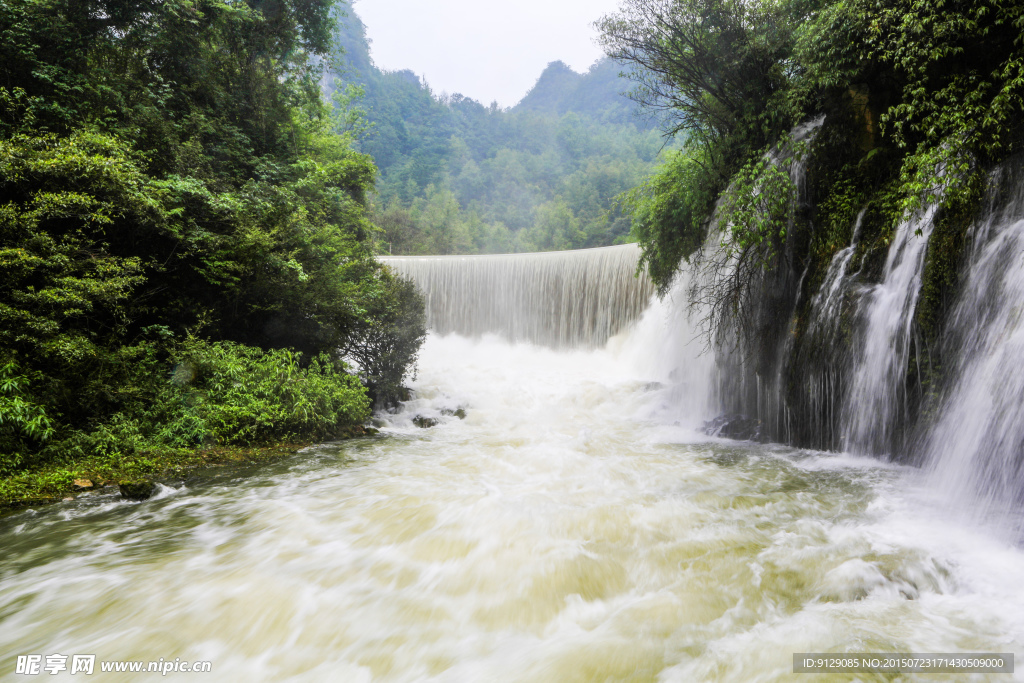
(137, 490)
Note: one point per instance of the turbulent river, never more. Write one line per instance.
(576, 525)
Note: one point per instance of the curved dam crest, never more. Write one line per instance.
(561, 299)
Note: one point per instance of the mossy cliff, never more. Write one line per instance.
(921, 104)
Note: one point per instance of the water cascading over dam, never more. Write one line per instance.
(575, 299)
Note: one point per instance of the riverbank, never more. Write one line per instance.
(55, 482)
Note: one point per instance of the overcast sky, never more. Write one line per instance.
(484, 49)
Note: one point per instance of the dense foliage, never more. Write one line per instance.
(173, 190)
(925, 93)
(461, 177)
(718, 71)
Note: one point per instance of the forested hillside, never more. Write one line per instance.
(184, 252)
(461, 177)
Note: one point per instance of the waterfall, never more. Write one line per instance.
(823, 369)
(975, 449)
(828, 365)
(875, 394)
(560, 299)
(827, 303)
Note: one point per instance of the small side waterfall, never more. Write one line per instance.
(876, 393)
(575, 299)
(823, 371)
(975, 448)
(842, 385)
(826, 366)
(825, 307)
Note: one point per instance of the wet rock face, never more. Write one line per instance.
(137, 490)
(734, 426)
(424, 422)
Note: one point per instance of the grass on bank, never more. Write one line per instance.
(194, 405)
(53, 483)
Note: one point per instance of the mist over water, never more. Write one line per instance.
(575, 526)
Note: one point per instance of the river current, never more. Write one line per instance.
(576, 525)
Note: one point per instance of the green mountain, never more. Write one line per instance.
(598, 94)
(460, 177)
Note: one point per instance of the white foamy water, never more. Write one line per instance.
(573, 527)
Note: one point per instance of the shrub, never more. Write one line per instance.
(226, 393)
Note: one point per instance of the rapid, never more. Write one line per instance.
(576, 525)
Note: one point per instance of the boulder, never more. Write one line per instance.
(734, 426)
(137, 490)
(424, 422)
(82, 484)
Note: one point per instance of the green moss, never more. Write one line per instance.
(845, 179)
(942, 269)
(882, 215)
(940, 282)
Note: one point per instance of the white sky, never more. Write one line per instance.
(484, 49)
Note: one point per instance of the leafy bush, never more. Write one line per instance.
(385, 344)
(227, 393)
(23, 423)
(670, 213)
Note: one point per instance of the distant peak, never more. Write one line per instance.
(557, 65)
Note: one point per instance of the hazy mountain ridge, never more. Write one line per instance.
(598, 93)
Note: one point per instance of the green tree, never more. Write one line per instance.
(172, 182)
